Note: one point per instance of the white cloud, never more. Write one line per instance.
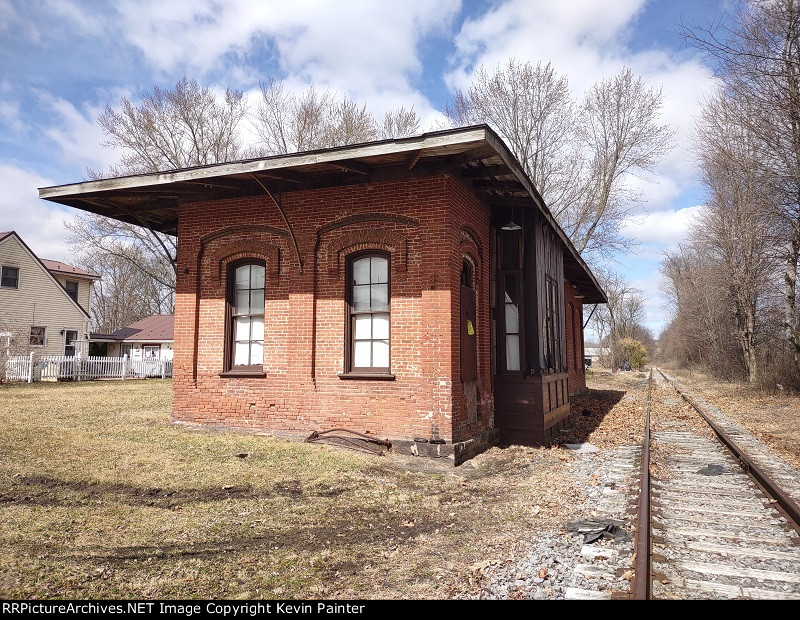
(77, 133)
(655, 317)
(76, 15)
(10, 116)
(372, 45)
(579, 36)
(39, 223)
(663, 228)
(370, 51)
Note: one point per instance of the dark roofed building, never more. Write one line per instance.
(149, 338)
(416, 288)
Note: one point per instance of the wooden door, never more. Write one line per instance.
(469, 338)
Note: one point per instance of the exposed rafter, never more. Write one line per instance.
(353, 166)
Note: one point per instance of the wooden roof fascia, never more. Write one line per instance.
(327, 156)
(283, 175)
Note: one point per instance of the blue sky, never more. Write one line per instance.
(62, 61)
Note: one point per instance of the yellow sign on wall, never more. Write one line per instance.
(470, 328)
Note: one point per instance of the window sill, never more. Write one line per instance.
(244, 374)
(375, 376)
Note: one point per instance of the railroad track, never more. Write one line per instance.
(718, 515)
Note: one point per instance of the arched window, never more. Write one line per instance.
(368, 308)
(245, 347)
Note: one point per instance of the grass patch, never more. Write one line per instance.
(102, 497)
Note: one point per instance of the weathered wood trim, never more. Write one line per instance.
(475, 135)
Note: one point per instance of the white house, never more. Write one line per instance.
(44, 305)
(150, 338)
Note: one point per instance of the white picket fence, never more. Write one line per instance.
(61, 368)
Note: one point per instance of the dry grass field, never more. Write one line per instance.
(102, 497)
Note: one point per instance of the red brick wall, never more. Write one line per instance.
(427, 224)
(573, 317)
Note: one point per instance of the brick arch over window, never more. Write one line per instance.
(221, 256)
(469, 248)
(335, 243)
(470, 238)
(394, 243)
(219, 246)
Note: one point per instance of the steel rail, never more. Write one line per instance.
(789, 506)
(641, 585)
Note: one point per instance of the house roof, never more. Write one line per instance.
(101, 337)
(476, 154)
(70, 270)
(155, 328)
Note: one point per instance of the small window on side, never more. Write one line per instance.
(9, 278)
(38, 336)
(72, 289)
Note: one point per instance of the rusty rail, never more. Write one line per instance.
(789, 506)
(355, 440)
(641, 585)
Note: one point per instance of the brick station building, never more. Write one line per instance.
(415, 289)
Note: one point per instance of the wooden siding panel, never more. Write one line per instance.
(543, 257)
(84, 288)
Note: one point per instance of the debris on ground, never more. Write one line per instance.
(595, 529)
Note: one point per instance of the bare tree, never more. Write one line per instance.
(400, 123)
(135, 282)
(580, 157)
(286, 122)
(169, 129)
(757, 58)
(621, 137)
(530, 106)
(699, 333)
(735, 227)
(621, 317)
(189, 125)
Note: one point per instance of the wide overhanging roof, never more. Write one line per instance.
(476, 154)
